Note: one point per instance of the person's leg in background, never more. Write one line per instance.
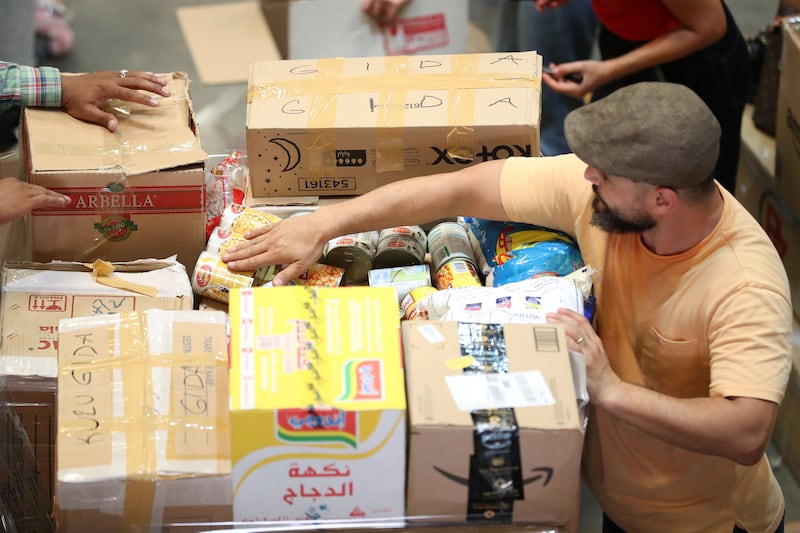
(559, 35)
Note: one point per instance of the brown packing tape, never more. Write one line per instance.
(102, 270)
(140, 497)
(393, 87)
(87, 387)
(199, 387)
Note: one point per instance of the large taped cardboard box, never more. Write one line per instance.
(319, 372)
(786, 435)
(495, 428)
(757, 190)
(422, 26)
(37, 295)
(143, 422)
(136, 193)
(787, 130)
(344, 126)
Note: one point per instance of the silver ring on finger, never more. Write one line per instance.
(580, 339)
(123, 72)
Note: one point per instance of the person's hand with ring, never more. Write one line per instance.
(581, 337)
(84, 95)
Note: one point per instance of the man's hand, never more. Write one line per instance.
(84, 95)
(581, 337)
(294, 242)
(18, 198)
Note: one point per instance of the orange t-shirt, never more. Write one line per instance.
(714, 320)
(635, 20)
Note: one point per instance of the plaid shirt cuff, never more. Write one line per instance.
(40, 87)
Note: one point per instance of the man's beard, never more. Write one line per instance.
(610, 220)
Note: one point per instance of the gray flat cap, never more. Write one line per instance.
(656, 132)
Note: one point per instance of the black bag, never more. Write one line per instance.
(765, 51)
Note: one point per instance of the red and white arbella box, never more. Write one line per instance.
(136, 193)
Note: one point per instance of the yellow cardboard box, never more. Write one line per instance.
(317, 404)
(143, 421)
(344, 126)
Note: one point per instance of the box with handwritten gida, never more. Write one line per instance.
(344, 126)
(143, 421)
(317, 404)
(37, 295)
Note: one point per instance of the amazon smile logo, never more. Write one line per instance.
(542, 472)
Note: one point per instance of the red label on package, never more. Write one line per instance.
(411, 35)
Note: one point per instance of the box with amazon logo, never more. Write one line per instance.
(495, 424)
(136, 193)
(345, 126)
(318, 406)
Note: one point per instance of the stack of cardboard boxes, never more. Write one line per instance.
(768, 184)
(327, 419)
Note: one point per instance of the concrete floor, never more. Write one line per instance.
(144, 35)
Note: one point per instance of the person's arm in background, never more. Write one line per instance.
(297, 242)
(702, 22)
(81, 95)
(383, 11)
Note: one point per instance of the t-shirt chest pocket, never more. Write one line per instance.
(675, 366)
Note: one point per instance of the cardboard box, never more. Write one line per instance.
(461, 470)
(757, 190)
(27, 451)
(136, 193)
(319, 373)
(422, 26)
(786, 435)
(287, 206)
(224, 39)
(143, 421)
(37, 295)
(344, 126)
(787, 131)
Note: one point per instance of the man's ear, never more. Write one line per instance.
(665, 199)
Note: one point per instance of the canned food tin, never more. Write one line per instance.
(410, 301)
(396, 248)
(321, 276)
(448, 241)
(211, 278)
(353, 253)
(457, 273)
(241, 219)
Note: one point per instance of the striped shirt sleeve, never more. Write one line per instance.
(29, 86)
